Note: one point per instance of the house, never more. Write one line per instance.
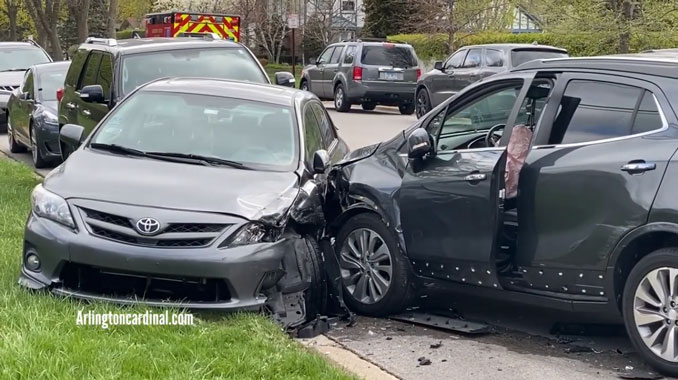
(524, 21)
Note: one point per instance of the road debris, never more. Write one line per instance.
(424, 361)
(442, 322)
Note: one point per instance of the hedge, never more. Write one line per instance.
(430, 47)
(128, 33)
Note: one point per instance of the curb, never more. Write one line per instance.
(346, 359)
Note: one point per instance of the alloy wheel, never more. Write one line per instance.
(304, 86)
(366, 265)
(34, 146)
(339, 97)
(422, 104)
(655, 312)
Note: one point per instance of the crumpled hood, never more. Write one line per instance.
(107, 177)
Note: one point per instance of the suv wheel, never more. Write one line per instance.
(38, 161)
(14, 146)
(423, 103)
(375, 275)
(406, 109)
(341, 102)
(304, 85)
(650, 306)
(369, 106)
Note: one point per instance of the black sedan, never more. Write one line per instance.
(187, 196)
(32, 113)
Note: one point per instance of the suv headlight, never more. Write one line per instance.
(51, 206)
(252, 233)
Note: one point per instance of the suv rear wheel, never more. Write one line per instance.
(650, 306)
(341, 103)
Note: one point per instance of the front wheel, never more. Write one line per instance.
(38, 161)
(304, 85)
(341, 103)
(650, 307)
(423, 103)
(375, 276)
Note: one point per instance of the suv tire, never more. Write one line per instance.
(648, 278)
(406, 109)
(14, 146)
(369, 106)
(304, 85)
(400, 286)
(341, 103)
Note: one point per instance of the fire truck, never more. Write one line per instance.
(179, 24)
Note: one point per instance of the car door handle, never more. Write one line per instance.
(87, 112)
(70, 106)
(638, 167)
(475, 177)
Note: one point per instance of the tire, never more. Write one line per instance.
(406, 109)
(400, 288)
(304, 85)
(14, 146)
(655, 265)
(341, 103)
(423, 103)
(316, 295)
(369, 106)
(38, 161)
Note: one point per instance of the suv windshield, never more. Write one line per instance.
(257, 135)
(518, 57)
(222, 63)
(388, 55)
(21, 58)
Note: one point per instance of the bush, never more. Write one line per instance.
(128, 33)
(427, 46)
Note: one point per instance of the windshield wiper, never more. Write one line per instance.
(118, 149)
(206, 159)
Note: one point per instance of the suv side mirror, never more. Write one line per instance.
(321, 161)
(72, 136)
(439, 66)
(418, 144)
(283, 78)
(92, 94)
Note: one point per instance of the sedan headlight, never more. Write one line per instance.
(51, 206)
(252, 233)
(50, 117)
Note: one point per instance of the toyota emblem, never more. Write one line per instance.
(148, 226)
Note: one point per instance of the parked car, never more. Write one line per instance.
(471, 64)
(15, 59)
(572, 207)
(32, 120)
(192, 193)
(365, 73)
(103, 71)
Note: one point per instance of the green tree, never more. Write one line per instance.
(387, 17)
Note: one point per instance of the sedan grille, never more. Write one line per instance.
(8, 88)
(174, 235)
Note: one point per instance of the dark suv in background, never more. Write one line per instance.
(15, 59)
(103, 71)
(365, 73)
(472, 63)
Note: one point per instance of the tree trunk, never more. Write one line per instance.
(625, 34)
(80, 11)
(12, 10)
(112, 18)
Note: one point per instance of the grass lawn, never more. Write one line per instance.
(40, 340)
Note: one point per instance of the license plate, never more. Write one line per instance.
(390, 75)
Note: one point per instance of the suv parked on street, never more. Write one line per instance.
(103, 71)
(365, 73)
(15, 59)
(472, 63)
(553, 184)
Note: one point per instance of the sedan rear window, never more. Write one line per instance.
(21, 58)
(255, 134)
(221, 63)
(518, 57)
(388, 55)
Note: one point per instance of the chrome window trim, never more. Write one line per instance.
(665, 126)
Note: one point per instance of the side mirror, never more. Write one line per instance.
(92, 94)
(283, 78)
(418, 144)
(313, 61)
(321, 161)
(439, 66)
(72, 135)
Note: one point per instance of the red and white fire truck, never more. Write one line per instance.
(179, 24)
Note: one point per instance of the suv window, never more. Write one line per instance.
(518, 57)
(454, 128)
(75, 68)
(21, 57)
(326, 55)
(494, 58)
(456, 60)
(349, 57)
(387, 55)
(336, 54)
(326, 128)
(473, 58)
(592, 110)
(91, 71)
(312, 134)
(105, 77)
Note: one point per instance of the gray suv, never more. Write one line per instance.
(472, 63)
(365, 73)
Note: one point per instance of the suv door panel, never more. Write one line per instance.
(575, 201)
(330, 71)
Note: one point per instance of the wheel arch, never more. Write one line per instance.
(635, 245)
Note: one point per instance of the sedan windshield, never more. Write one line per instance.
(21, 58)
(222, 63)
(202, 129)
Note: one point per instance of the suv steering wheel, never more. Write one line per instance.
(492, 137)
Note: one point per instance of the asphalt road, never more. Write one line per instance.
(520, 345)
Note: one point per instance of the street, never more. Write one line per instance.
(520, 345)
